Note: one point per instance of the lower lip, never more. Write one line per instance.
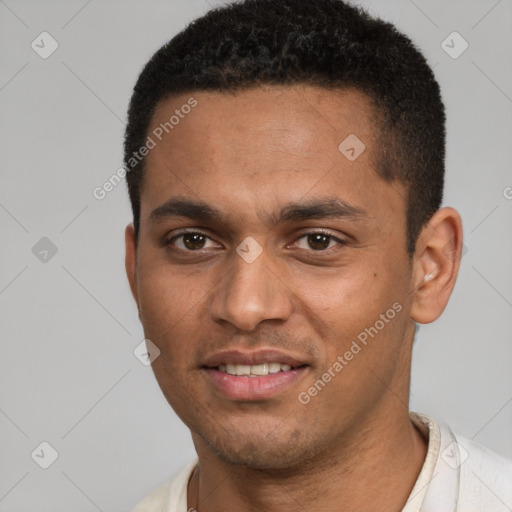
(253, 388)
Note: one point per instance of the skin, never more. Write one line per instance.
(353, 446)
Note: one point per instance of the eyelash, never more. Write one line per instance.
(341, 242)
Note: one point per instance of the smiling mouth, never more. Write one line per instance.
(240, 381)
(255, 370)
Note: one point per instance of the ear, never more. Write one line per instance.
(131, 260)
(436, 265)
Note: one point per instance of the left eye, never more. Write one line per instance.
(320, 241)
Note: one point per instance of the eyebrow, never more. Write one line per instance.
(324, 208)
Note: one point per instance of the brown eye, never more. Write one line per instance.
(319, 241)
(194, 241)
(189, 241)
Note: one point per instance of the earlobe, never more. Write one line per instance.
(436, 265)
(131, 260)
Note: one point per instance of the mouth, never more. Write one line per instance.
(255, 370)
(243, 376)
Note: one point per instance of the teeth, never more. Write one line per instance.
(259, 369)
(274, 368)
(255, 369)
(242, 369)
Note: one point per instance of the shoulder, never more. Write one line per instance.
(466, 476)
(485, 477)
(156, 501)
(171, 496)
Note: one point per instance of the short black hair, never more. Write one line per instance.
(327, 43)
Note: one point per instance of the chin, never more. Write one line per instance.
(256, 451)
(253, 457)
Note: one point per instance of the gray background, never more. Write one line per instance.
(68, 323)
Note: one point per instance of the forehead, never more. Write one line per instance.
(267, 146)
(302, 120)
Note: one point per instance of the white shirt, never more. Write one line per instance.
(458, 475)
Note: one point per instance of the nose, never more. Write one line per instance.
(250, 293)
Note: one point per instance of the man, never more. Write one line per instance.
(285, 165)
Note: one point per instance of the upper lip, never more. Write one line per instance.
(239, 356)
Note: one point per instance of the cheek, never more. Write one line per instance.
(348, 296)
(159, 302)
(164, 289)
(361, 303)
(167, 301)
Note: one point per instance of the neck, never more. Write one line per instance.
(374, 469)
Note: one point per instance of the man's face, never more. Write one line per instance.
(305, 285)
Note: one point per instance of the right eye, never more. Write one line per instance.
(190, 241)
